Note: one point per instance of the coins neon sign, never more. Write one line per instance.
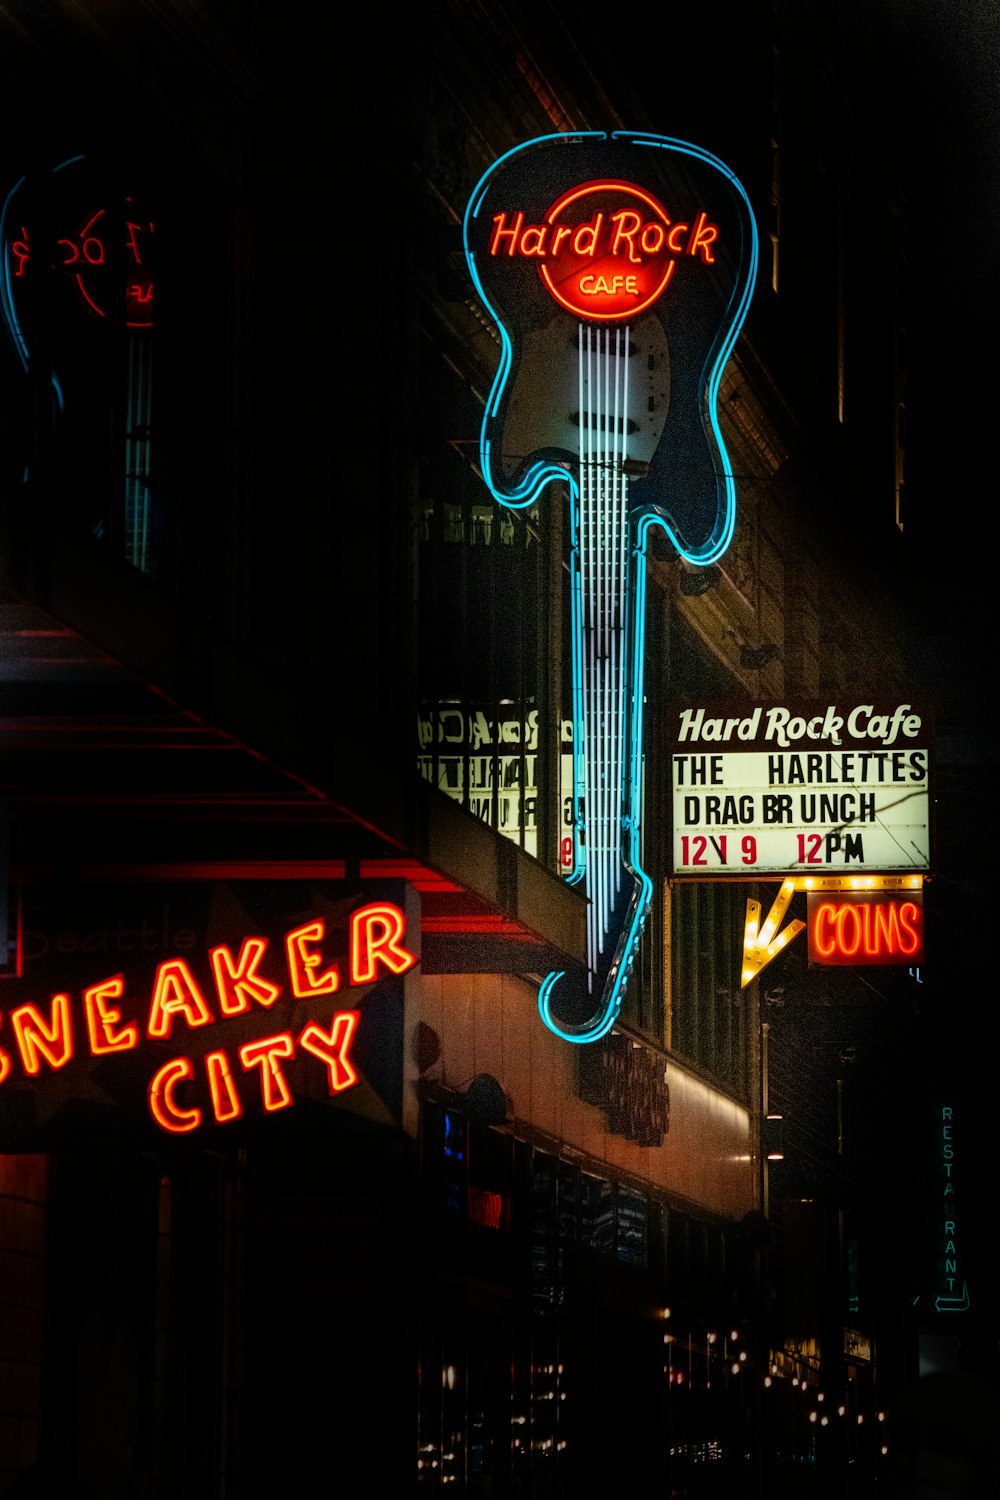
(866, 929)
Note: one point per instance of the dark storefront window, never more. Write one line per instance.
(577, 1216)
(598, 1215)
(23, 1311)
(511, 1393)
(492, 1204)
(608, 1307)
(633, 1227)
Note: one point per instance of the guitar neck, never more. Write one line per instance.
(602, 622)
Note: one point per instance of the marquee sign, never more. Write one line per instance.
(790, 788)
(618, 269)
(192, 1031)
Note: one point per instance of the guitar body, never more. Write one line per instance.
(700, 309)
(542, 413)
(618, 269)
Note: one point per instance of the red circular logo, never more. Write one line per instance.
(611, 250)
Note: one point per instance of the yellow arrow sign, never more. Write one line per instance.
(761, 944)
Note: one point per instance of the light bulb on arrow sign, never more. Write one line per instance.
(761, 944)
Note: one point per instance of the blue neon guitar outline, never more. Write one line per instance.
(609, 537)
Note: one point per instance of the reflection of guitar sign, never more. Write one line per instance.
(619, 269)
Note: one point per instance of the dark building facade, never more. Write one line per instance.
(294, 1179)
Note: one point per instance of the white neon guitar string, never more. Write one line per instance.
(603, 383)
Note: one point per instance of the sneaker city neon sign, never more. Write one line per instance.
(182, 1096)
(618, 268)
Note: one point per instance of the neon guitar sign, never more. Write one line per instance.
(618, 268)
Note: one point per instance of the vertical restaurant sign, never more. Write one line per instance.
(953, 1291)
(205, 1018)
(618, 268)
(806, 788)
